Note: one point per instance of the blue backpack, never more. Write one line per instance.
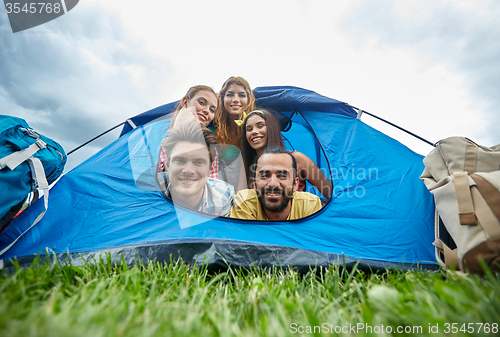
(28, 162)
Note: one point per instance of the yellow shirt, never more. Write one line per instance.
(247, 206)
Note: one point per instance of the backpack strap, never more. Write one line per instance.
(13, 160)
(485, 215)
(473, 207)
(464, 198)
(490, 193)
(39, 181)
(450, 255)
(471, 157)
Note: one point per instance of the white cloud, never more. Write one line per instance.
(78, 77)
(427, 66)
(456, 45)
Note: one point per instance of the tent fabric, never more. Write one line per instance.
(381, 213)
(282, 98)
(213, 253)
(148, 116)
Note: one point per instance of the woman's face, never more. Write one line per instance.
(235, 100)
(256, 132)
(205, 103)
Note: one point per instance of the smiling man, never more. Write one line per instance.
(275, 196)
(188, 149)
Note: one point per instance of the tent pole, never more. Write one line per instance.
(102, 134)
(396, 126)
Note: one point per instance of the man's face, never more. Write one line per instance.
(188, 168)
(274, 181)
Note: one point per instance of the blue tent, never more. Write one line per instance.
(381, 214)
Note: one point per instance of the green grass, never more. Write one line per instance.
(174, 299)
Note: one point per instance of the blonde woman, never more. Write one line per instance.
(235, 100)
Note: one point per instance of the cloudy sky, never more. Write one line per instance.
(432, 67)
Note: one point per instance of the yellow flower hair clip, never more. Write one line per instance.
(240, 122)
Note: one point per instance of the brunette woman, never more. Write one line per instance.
(262, 130)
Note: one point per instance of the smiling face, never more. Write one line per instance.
(256, 132)
(205, 103)
(188, 168)
(275, 183)
(235, 100)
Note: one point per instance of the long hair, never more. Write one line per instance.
(223, 122)
(189, 95)
(274, 138)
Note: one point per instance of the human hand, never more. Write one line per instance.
(186, 115)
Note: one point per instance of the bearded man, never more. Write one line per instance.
(274, 196)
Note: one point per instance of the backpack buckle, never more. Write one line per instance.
(41, 144)
(31, 133)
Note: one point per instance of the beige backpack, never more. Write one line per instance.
(465, 180)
